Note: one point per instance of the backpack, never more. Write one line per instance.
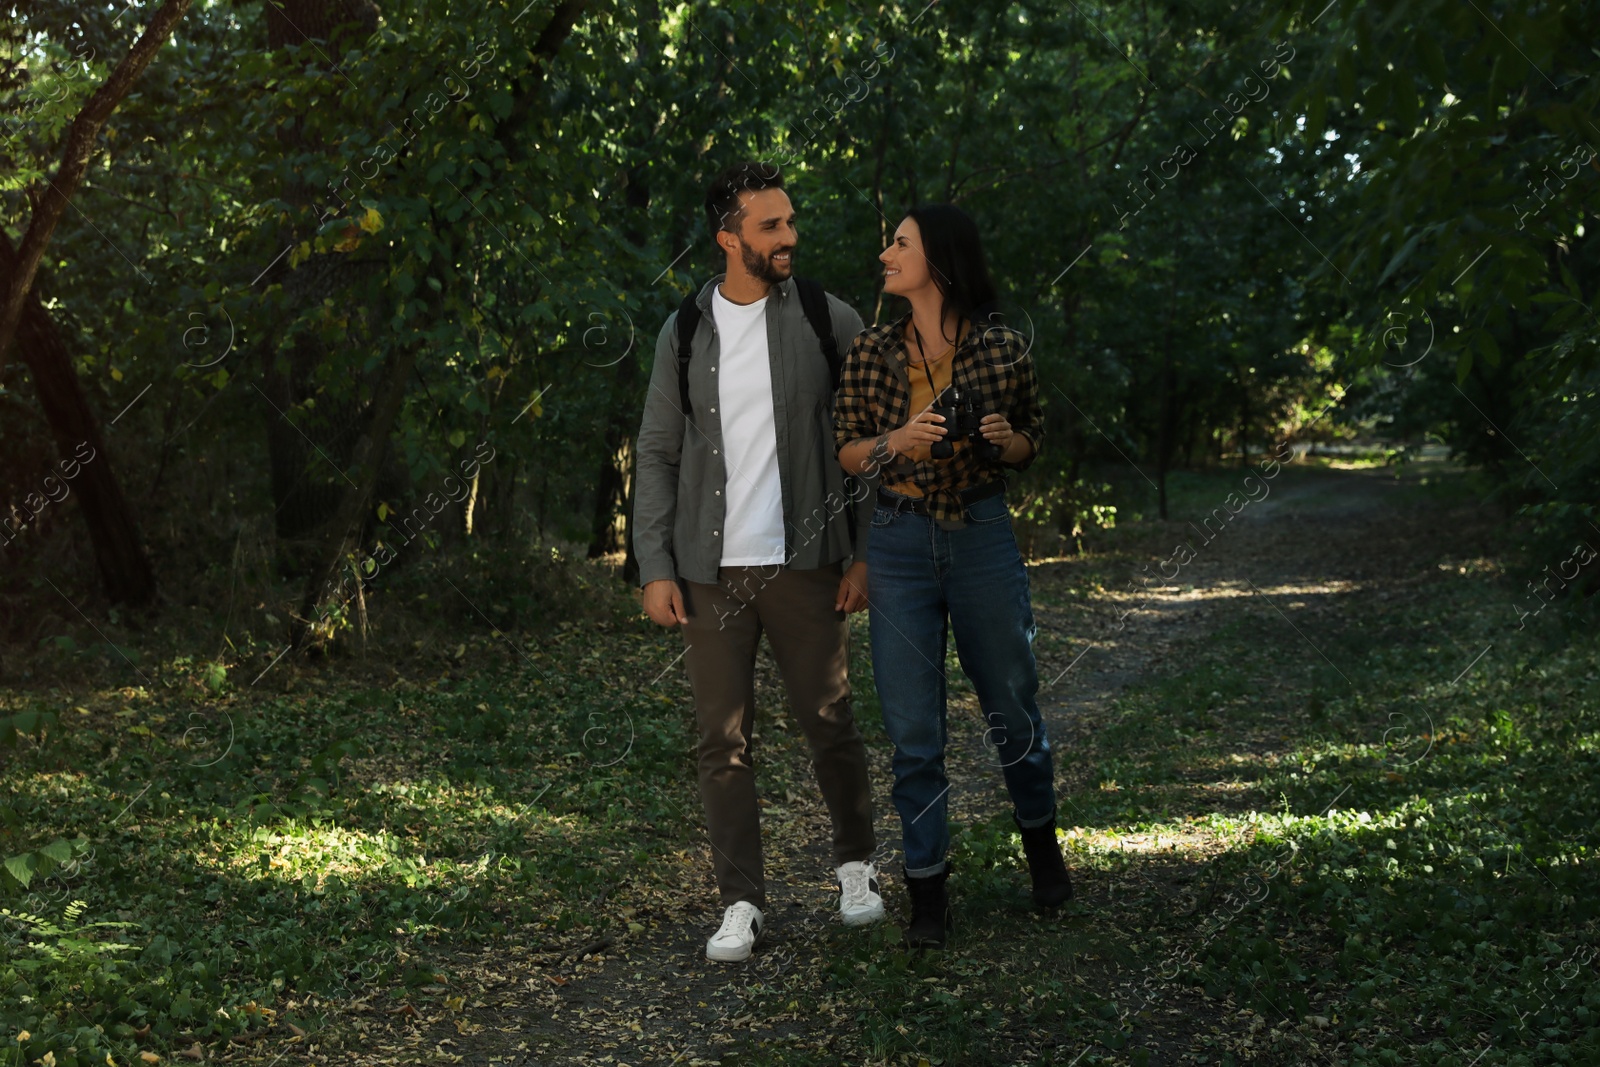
(813, 301)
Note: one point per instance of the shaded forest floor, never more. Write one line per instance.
(1323, 800)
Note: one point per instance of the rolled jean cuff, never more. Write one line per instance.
(1029, 824)
(926, 872)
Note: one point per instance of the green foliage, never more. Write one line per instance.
(1449, 884)
(1204, 242)
(308, 843)
(534, 247)
(1391, 215)
(19, 871)
(63, 973)
(1456, 155)
(17, 727)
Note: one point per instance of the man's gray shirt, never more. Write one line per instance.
(680, 500)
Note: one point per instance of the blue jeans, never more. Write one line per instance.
(919, 576)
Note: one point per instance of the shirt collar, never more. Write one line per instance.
(703, 300)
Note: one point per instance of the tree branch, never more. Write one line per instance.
(75, 158)
(554, 35)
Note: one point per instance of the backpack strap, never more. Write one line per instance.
(814, 302)
(688, 323)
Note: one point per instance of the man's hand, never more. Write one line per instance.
(852, 595)
(663, 602)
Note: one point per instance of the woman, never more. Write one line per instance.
(941, 556)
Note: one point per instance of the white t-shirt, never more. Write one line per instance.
(752, 534)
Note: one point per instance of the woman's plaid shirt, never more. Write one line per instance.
(992, 365)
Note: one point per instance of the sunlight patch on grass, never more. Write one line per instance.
(292, 851)
(1284, 595)
(1169, 837)
(1362, 464)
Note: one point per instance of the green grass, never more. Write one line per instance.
(1404, 870)
(1362, 852)
(327, 839)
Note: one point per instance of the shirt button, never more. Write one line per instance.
(713, 451)
(719, 492)
(713, 411)
(713, 370)
(716, 533)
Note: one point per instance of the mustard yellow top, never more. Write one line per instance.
(941, 370)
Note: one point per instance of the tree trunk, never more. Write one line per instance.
(125, 571)
(1072, 436)
(607, 525)
(519, 145)
(877, 182)
(1164, 436)
(1244, 418)
(124, 568)
(368, 461)
(306, 445)
(355, 492)
(609, 528)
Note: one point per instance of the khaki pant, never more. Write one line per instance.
(810, 642)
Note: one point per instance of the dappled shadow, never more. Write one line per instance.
(482, 885)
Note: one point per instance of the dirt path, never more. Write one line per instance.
(1322, 545)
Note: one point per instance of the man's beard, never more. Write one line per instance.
(761, 267)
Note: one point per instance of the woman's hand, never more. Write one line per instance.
(996, 429)
(924, 428)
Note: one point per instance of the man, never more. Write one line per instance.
(742, 522)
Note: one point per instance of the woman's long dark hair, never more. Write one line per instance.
(955, 259)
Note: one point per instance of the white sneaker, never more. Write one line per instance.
(741, 929)
(859, 902)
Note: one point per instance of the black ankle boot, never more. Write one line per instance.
(1051, 885)
(930, 910)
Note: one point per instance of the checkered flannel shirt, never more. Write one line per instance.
(991, 364)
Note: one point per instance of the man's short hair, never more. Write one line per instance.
(723, 210)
